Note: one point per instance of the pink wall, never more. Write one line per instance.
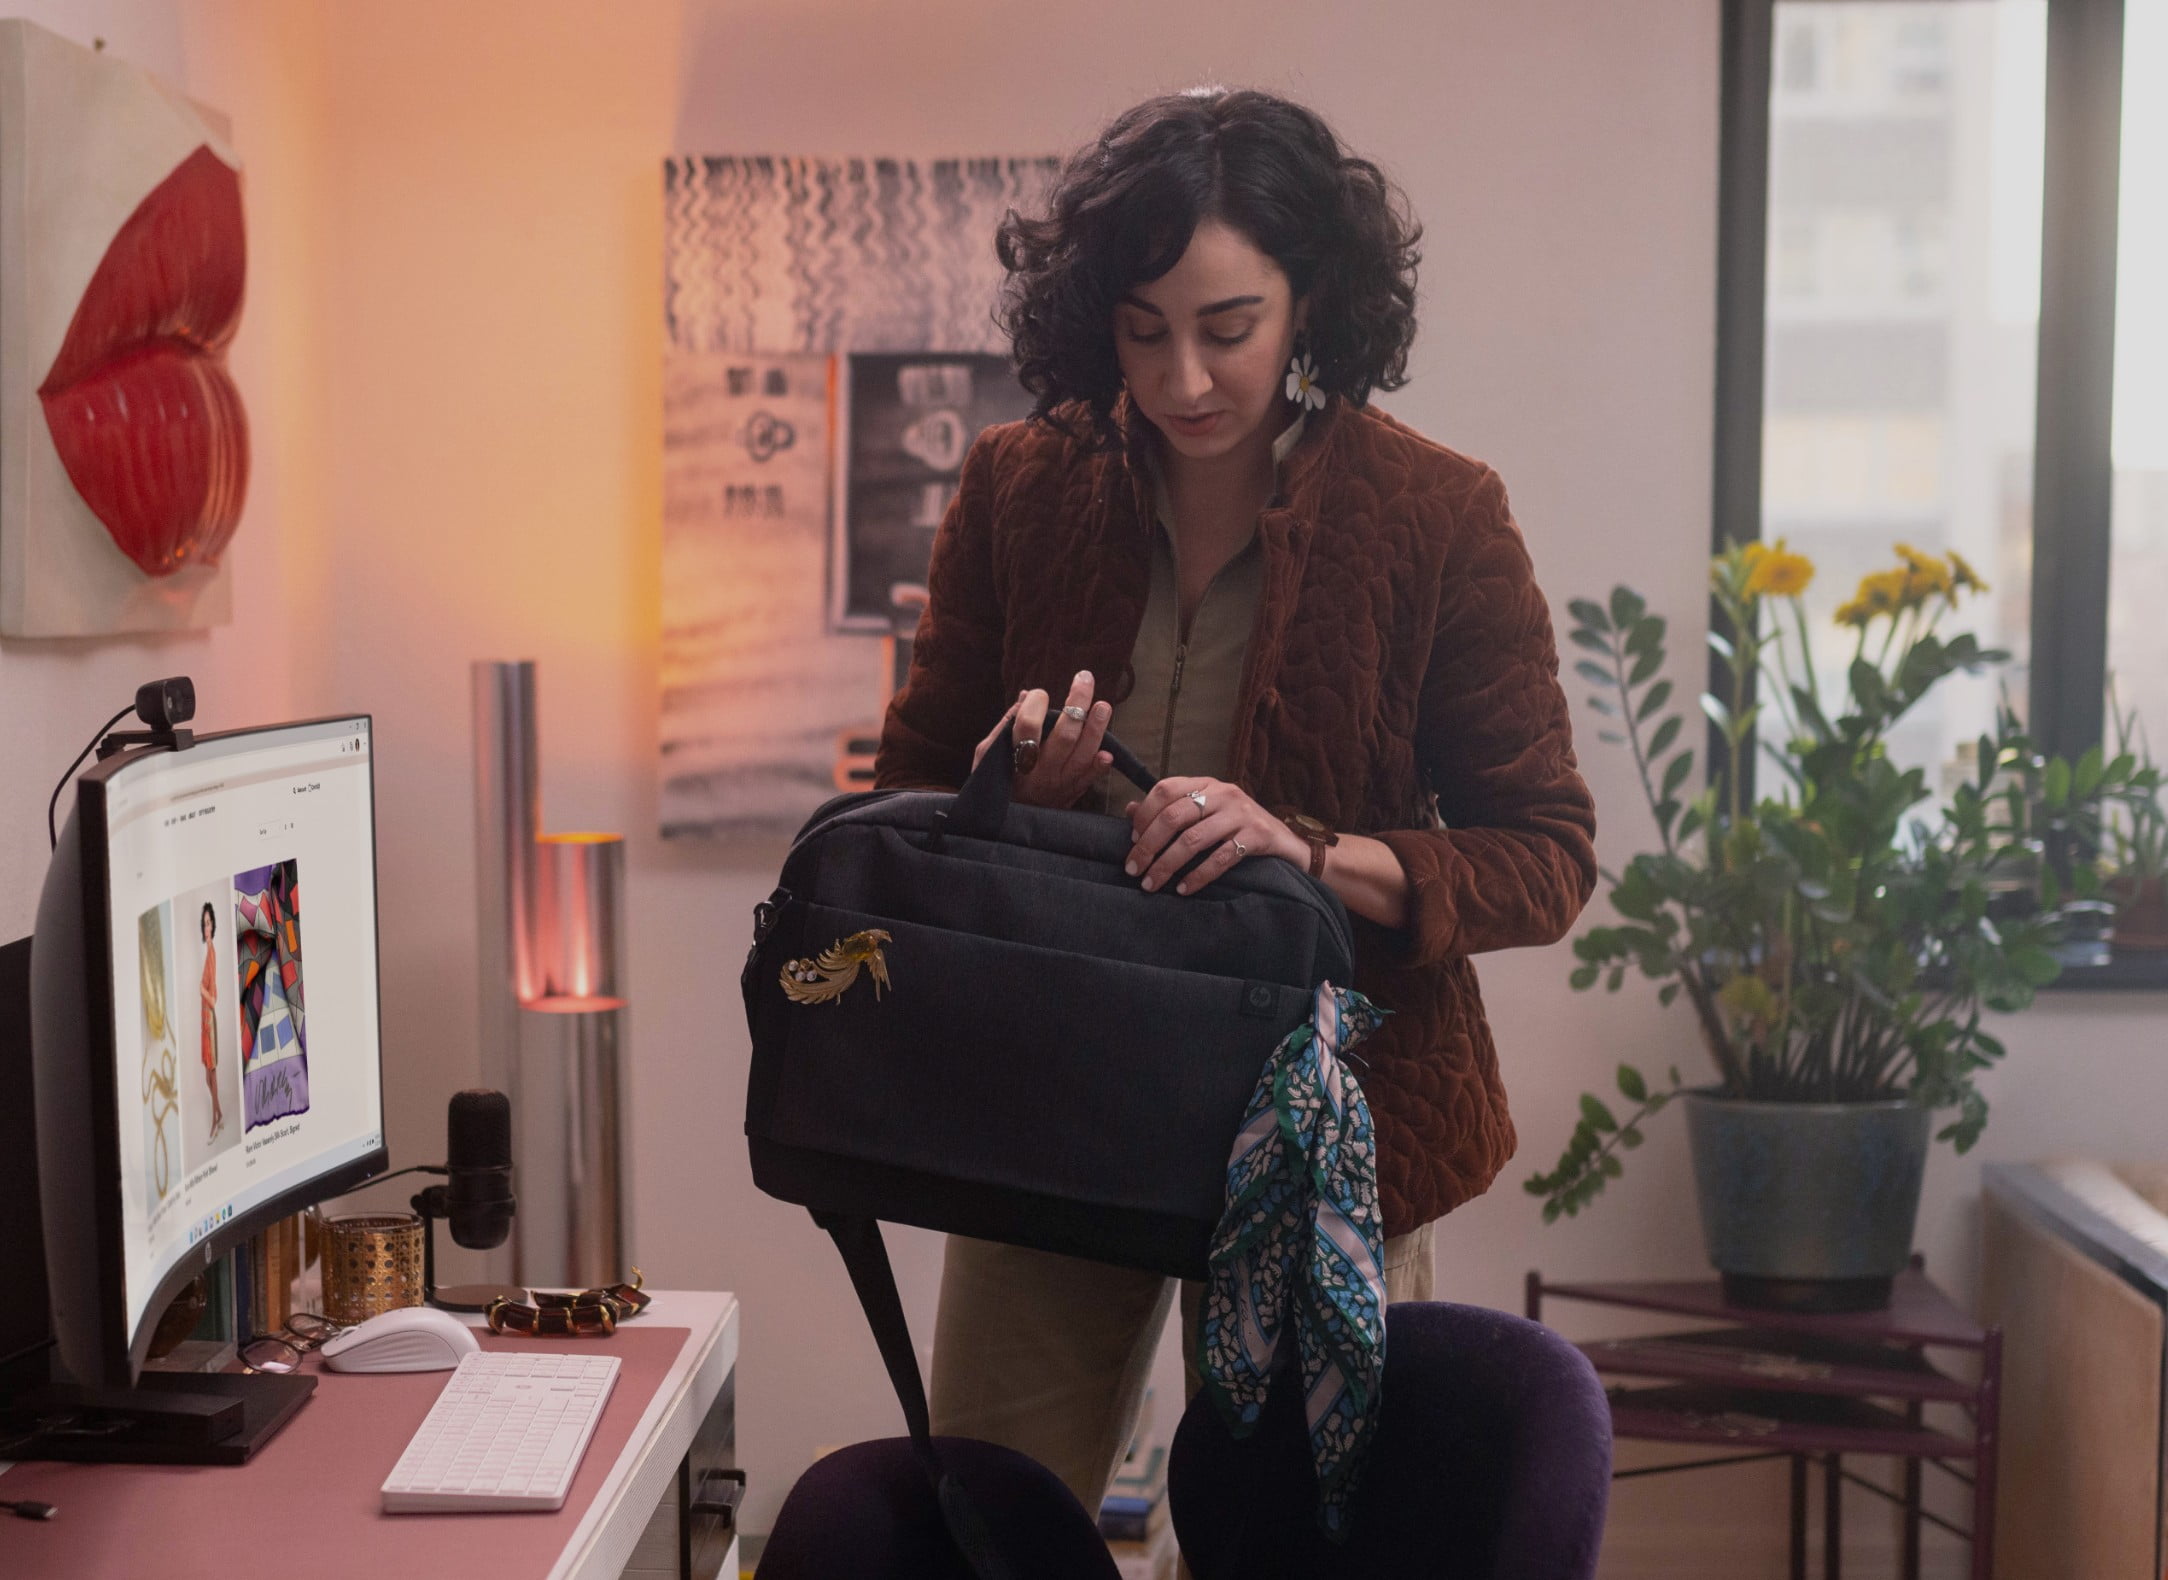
(452, 351)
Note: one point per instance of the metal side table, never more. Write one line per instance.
(1806, 1387)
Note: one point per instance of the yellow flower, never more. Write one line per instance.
(1880, 592)
(1963, 575)
(1778, 573)
(1748, 998)
(1924, 576)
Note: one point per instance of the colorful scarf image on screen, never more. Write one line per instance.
(274, 1036)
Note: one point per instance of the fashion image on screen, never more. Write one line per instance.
(274, 1035)
(161, 1060)
(210, 1077)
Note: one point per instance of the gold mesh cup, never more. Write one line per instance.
(372, 1264)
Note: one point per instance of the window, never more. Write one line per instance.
(1928, 217)
(1898, 376)
(2138, 562)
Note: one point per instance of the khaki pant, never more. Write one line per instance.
(1049, 1355)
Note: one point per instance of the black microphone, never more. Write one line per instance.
(478, 1162)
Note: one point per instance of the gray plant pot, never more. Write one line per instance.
(1807, 1206)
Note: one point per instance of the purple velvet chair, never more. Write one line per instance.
(867, 1512)
(1493, 1462)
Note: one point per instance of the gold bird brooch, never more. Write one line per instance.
(824, 981)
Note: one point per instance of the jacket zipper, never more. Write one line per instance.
(1174, 695)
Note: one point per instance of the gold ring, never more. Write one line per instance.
(1241, 849)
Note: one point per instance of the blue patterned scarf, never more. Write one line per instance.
(1302, 1245)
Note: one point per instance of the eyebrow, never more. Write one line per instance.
(1207, 311)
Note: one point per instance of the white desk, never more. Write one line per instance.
(302, 1511)
(642, 1486)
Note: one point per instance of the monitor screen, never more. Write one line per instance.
(241, 894)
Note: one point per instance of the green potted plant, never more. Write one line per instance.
(2136, 850)
(1837, 937)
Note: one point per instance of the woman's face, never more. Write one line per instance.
(204, 925)
(1204, 348)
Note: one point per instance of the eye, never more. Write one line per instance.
(1229, 340)
(1136, 336)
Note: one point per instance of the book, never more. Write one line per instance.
(1151, 1559)
(1135, 1507)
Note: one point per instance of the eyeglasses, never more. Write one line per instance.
(590, 1314)
(282, 1351)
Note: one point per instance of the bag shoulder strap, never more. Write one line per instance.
(865, 1256)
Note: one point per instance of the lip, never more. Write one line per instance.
(1194, 427)
(145, 417)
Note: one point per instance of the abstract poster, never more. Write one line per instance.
(802, 298)
(273, 1026)
(123, 440)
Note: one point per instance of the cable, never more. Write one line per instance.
(52, 833)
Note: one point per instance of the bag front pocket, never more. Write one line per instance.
(1011, 1065)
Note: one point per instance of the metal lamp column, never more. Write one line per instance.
(553, 1014)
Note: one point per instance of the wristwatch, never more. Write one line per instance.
(1320, 836)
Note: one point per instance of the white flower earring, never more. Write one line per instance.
(1302, 385)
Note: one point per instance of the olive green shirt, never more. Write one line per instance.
(1179, 715)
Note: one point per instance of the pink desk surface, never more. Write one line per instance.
(306, 1507)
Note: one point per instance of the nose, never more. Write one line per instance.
(1188, 381)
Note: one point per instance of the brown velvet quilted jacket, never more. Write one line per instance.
(1401, 682)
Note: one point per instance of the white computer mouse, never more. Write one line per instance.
(411, 1339)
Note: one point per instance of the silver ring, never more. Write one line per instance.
(1198, 797)
(1073, 712)
(1241, 849)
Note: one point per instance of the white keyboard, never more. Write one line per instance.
(507, 1433)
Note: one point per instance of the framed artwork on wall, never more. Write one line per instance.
(830, 355)
(123, 441)
(909, 418)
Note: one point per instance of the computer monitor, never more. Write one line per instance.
(204, 1018)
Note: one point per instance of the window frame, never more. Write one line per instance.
(2073, 467)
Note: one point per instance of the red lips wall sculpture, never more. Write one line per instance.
(141, 409)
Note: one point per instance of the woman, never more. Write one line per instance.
(1322, 628)
(208, 927)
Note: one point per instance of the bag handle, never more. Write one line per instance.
(983, 802)
(865, 1255)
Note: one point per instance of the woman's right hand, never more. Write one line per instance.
(1054, 766)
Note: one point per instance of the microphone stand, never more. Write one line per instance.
(434, 1202)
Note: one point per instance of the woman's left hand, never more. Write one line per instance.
(1183, 818)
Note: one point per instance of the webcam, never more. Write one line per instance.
(165, 707)
(162, 704)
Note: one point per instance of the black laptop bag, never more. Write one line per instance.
(1021, 1044)
(967, 1017)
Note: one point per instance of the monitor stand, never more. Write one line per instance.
(168, 1418)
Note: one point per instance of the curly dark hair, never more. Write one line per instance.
(1124, 208)
(209, 919)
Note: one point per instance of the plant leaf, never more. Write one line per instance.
(1590, 613)
(1631, 1086)
(1627, 606)
(1675, 775)
(1666, 733)
(1656, 697)
(1596, 1115)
